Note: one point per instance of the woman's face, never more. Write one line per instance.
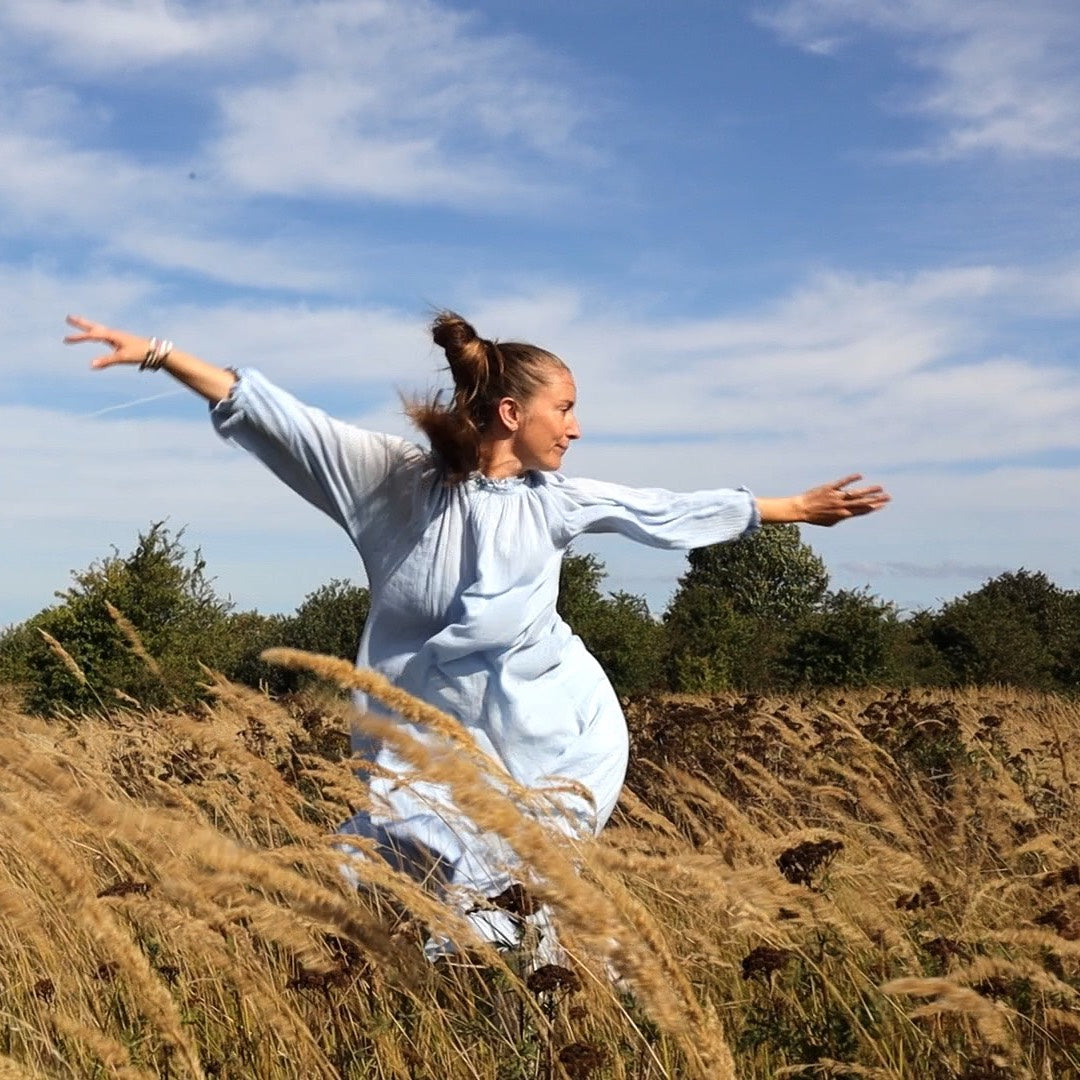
(548, 424)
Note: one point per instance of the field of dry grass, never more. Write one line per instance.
(865, 885)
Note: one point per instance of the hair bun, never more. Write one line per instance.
(466, 352)
(452, 332)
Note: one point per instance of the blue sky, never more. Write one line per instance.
(777, 242)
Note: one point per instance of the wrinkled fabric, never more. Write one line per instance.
(463, 581)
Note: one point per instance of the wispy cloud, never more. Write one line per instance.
(946, 569)
(904, 370)
(406, 102)
(1000, 75)
(124, 39)
(256, 165)
(831, 392)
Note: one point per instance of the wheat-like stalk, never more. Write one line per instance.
(156, 865)
(64, 656)
(133, 638)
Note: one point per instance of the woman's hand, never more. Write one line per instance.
(207, 380)
(126, 348)
(825, 505)
(830, 503)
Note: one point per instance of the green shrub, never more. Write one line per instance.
(618, 629)
(771, 574)
(1018, 628)
(159, 589)
(731, 621)
(847, 642)
(703, 636)
(330, 619)
(247, 634)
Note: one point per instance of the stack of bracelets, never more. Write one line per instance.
(156, 355)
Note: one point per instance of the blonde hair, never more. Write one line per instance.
(484, 373)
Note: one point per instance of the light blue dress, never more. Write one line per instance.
(464, 580)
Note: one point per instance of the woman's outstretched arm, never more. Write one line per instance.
(345, 471)
(207, 380)
(682, 520)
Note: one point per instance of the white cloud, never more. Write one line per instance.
(1001, 75)
(120, 210)
(406, 101)
(74, 486)
(83, 484)
(945, 569)
(76, 469)
(124, 38)
(893, 371)
(350, 100)
(57, 186)
(98, 481)
(263, 263)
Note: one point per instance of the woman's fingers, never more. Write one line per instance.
(840, 484)
(858, 509)
(849, 494)
(90, 331)
(126, 348)
(85, 325)
(866, 501)
(868, 494)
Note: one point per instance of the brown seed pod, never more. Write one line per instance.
(581, 1060)
(761, 962)
(799, 863)
(553, 977)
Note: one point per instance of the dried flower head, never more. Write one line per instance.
(581, 1060)
(63, 656)
(926, 896)
(761, 962)
(517, 900)
(1062, 920)
(550, 978)
(125, 888)
(1067, 875)
(799, 863)
(941, 948)
(318, 980)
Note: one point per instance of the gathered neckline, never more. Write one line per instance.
(503, 483)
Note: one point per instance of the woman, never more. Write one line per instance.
(462, 546)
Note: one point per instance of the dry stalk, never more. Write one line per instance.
(133, 638)
(64, 656)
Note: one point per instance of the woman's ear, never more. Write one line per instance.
(509, 413)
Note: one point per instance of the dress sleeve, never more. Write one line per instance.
(339, 468)
(653, 516)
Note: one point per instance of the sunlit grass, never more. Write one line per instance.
(868, 884)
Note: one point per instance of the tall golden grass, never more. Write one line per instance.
(865, 885)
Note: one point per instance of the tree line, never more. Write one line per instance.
(757, 615)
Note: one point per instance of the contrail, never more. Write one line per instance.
(138, 401)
